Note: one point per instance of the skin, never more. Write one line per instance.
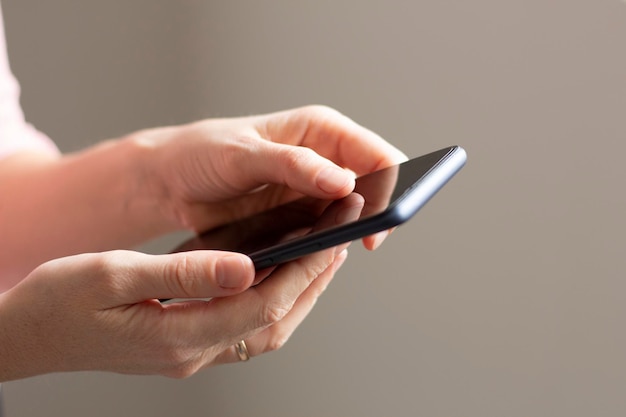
(85, 305)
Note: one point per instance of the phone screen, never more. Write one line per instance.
(375, 204)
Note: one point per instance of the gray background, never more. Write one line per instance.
(504, 297)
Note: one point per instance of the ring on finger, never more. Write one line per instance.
(242, 351)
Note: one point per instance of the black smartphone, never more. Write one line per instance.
(381, 200)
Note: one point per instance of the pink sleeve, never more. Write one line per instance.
(15, 134)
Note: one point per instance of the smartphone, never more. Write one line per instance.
(381, 200)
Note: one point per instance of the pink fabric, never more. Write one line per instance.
(15, 134)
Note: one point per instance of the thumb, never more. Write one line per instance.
(195, 274)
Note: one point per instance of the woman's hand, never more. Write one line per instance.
(101, 311)
(216, 171)
(121, 193)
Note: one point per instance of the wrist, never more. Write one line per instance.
(21, 353)
(151, 191)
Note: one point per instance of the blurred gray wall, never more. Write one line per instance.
(504, 297)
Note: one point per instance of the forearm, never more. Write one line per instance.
(94, 200)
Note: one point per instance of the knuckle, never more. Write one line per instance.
(318, 291)
(319, 111)
(111, 270)
(106, 263)
(233, 149)
(233, 153)
(178, 363)
(279, 340)
(312, 270)
(296, 156)
(180, 274)
(311, 117)
(275, 311)
(182, 371)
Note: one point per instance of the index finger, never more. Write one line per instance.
(334, 136)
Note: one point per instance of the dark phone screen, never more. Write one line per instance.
(372, 195)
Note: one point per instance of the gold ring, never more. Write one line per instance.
(242, 351)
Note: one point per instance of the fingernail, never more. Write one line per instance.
(231, 271)
(332, 179)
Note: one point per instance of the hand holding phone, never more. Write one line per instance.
(381, 200)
